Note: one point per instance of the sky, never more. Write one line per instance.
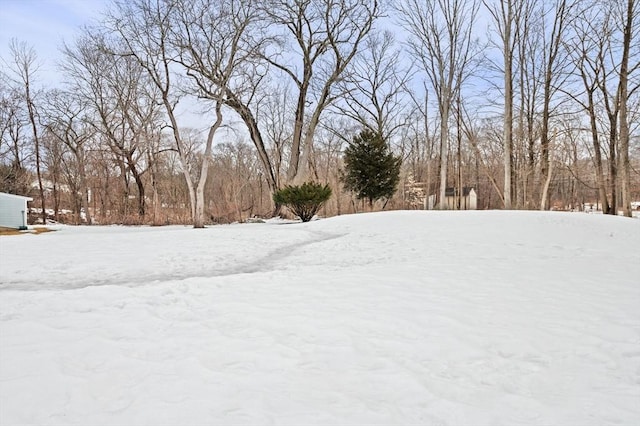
(44, 25)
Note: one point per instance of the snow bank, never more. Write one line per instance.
(449, 318)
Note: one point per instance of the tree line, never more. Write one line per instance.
(533, 103)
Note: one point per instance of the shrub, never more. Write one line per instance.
(304, 200)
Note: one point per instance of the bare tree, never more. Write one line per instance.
(587, 46)
(507, 20)
(422, 132)
(609, 92)
(237, 186)
(13, 147)
(146, 31)
(528, 43)
(118, 90)
(315, 44)
(68, 122)
(472, 130)
(374, 86)
(442, 43)
(630, 23)
(140, 116)
(277, 128)
(617, 65)
(24, 66)
(555, 60)
(211, 39)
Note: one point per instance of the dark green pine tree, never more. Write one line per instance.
(371, 170)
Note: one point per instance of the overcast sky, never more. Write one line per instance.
(44, 24)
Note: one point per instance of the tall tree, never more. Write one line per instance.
(316, 40)
(506, 18)
(587, 46)
(630, 22)
(13, 147)
(617, 64)
(67, 120)
(151, 32)
(118, 90)
(211, 37)
(528, 44)
(442, 42)
(25, 66)
(555, 60)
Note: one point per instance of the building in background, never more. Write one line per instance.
(468, 201)
(13, 210)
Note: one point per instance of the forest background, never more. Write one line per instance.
(196, 111)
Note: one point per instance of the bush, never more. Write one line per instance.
(304, 200)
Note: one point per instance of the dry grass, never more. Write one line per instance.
(11, 231)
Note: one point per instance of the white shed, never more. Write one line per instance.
(13, 210)
(468, 201)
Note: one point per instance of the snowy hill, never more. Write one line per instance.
(448, 318)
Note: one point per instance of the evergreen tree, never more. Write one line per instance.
(371, 170)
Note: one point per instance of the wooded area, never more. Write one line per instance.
(534, 103)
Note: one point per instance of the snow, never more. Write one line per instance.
(439, 318)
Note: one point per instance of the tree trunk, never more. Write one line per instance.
(557, 34)
(602, 190)
(544, 148)
(444, 152)
(544, 202)
(294, 158)
(613, 168)
(200, 200)
(85, 189)
(140, 184)
(508, 107)
(256, 137)
(36, 139)
(625, 175)
(184, 164)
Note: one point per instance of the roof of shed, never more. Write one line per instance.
(4, 194)
(450, 192)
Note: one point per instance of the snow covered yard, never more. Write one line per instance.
(430, 318)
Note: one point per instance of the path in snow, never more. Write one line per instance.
(111, 255)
